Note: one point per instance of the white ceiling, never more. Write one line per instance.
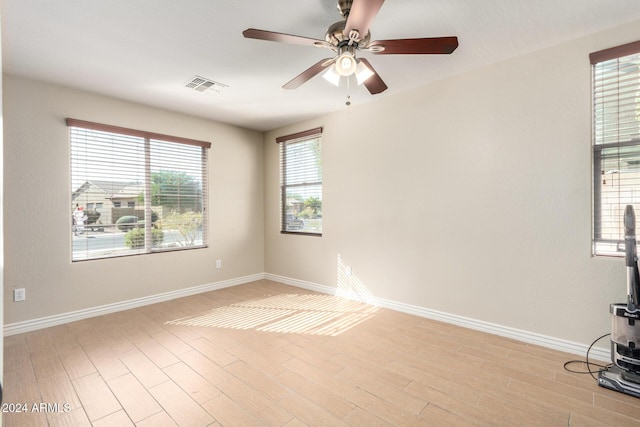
(147, 50)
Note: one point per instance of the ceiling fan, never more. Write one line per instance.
(346, 38)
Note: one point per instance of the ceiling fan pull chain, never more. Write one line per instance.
(348, 103)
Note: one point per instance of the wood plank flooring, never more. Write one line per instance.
(264, 354)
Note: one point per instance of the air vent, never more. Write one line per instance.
(202, 84)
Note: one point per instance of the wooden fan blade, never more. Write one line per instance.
(374, 84)
(361, 15)
(271, 36)
(434, 45)
(308, 73)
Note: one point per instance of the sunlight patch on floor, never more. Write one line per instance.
(313, 314)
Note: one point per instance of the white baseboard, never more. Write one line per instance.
(59, 319)
(596, 353)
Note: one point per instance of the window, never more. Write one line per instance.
(161, 179)
(616, 144)
(301, 182)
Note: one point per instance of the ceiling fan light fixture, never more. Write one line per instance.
(332, 76)
(363, 73)
(346, 64)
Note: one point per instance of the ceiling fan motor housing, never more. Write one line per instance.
(335, 36)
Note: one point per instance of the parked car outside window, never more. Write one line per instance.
(294, 223)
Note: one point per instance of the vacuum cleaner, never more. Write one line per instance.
(624, 374)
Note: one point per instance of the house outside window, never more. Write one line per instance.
(301, 183)
(161, 179)
(616, 144)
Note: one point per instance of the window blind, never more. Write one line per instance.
(301, 182)
(135, 192)
(616, 143)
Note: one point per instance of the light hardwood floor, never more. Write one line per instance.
(270, 354)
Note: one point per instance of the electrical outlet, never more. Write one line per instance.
(19, 295)
(218, 263)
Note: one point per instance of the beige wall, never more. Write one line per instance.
(470, 196)
(37, 199)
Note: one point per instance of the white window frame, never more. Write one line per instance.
(301, 175)
(159, 151)
(616, 144)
